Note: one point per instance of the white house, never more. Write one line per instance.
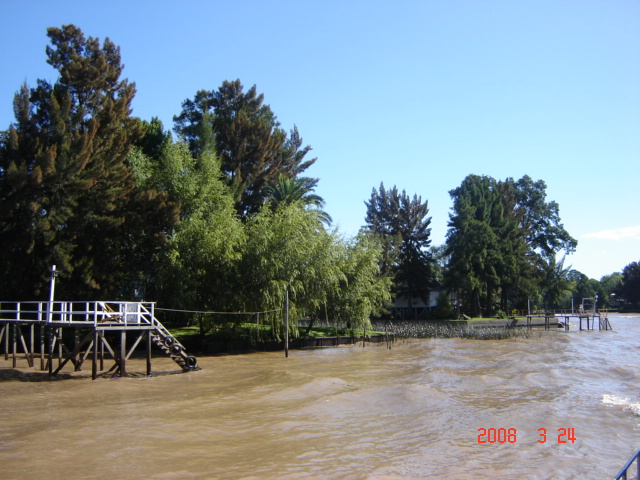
(417, 307)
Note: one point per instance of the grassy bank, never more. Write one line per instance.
(250, 334)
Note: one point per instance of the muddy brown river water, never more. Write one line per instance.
(414, 411)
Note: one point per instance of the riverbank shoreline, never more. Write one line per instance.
(235, 347)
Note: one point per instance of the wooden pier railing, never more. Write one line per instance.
(589, 317)
(93, 326)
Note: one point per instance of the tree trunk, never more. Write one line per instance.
(312, 319)
(488, 306)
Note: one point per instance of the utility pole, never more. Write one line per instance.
(286, 324)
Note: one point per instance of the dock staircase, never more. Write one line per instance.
(160, 336)
(163, 339)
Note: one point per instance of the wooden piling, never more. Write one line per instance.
(76, 348)
(59, 337)
(5, 333)
(101, 334)
(14, 344)
(51, 337)
(148, 353)
(24, 347)
(42, 348)
(123, 353)
(31, 341)
(94, 363)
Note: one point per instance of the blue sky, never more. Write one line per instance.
(416, 94)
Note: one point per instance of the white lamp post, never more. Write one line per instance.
(52, 288)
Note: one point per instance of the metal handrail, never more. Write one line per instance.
(622, 474)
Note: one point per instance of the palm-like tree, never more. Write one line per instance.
(289, 190)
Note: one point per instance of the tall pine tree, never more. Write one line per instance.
(65, 188)
(473, 241)
(402, 226)
(248, 139)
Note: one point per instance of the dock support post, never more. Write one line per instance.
(25, 348)
(32, 352)
(94, 365)
(59, 336)
(52, 346)
(101, 333)
(123, 353)
(42, 349)
(14, 342)
(5, 331)
(76, 348)
(148, 353)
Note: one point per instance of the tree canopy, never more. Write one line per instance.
(402, 226)
(289, 190)
(503, 238)
(67, 193)
(246, 135)
(629, 288)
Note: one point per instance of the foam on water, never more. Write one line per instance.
(627, 403)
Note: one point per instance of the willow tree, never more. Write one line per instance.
(286, 252)
(197, 266)
(364, 291)
(325, 276)
(65, 187)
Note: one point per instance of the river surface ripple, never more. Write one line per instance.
(413, 411)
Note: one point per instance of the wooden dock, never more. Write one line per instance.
(62, 332)
(552, 318)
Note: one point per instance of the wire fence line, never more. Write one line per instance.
(215, 313)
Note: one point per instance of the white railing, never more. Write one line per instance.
(127, 313)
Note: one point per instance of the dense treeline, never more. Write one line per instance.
(222, 218)
(502, 241)
(500, 253)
